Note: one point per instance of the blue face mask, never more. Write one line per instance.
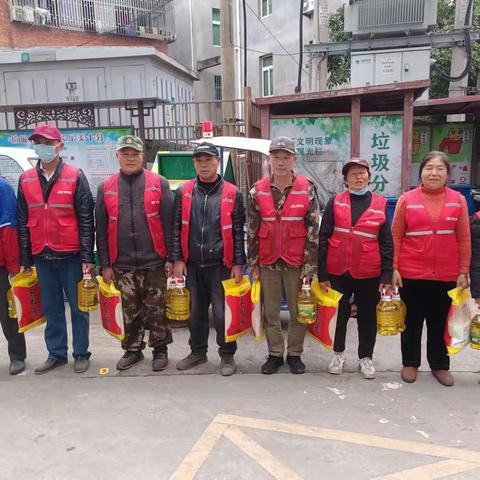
(363, 191)
(46, 153)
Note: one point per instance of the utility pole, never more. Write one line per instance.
(228, 60)
(319, 72)
(459, 59)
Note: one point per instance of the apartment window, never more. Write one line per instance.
(217, 79)
(267, 75)
(265, 8)
(216, 27)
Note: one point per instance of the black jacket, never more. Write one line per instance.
(134, 242)
(83, 205)
(359, 203)
(475, 262)
(205, 245)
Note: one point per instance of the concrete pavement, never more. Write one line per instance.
(199, 425)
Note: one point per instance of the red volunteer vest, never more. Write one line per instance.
(226, 211)
(282, 234)
(430, 249)
(152, 198)
(356, 249)
(52, 224)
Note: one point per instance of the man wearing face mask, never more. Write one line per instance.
(56, 233)
(355, 256)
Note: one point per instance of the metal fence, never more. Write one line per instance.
(134, 18)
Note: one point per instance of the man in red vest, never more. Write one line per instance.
(56, 233)
(132, 244)
(283, 222)
(208, 247)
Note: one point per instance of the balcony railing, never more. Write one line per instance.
(133, 18)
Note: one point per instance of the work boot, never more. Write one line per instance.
(129, 359)
(191, 361)
(160, 360)
(81, 364)
(272, 365)
(227, 366)
(295, 364)
(49, 364)
(335, 367)
(16, 367)
(444, 377)
(409, 374)
(366, 367)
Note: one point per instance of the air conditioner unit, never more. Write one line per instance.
(308, 7)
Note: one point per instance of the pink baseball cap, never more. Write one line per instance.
(47, 131)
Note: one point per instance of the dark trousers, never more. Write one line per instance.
(426, 300)
(366, 296)
(205, 286)
(143, 307)
(15, 340)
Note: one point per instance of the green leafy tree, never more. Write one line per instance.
(339, 65)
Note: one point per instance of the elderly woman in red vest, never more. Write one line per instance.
(432, 255)
(355, 256)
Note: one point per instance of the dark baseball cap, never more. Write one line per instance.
(282, 143)
(51, 132)
(207, 149)
(358, 162)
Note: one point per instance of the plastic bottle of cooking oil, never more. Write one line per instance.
(403, 310)
(306, 304)
(87, 293)
(179, 301)
(12, 309)
(170, 287)
(387, 315)
(475, 330)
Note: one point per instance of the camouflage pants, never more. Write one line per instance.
(143, 304)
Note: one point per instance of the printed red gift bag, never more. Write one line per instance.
(110, 300)
(238, 308)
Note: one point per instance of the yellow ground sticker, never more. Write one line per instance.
(453, 461)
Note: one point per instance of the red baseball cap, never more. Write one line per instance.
(47, 131)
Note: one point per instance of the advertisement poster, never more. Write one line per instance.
(420, 147)
(92, 150)
(456, 140)
(323, 146)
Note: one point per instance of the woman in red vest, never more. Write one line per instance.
(355, 257)
(431, 238)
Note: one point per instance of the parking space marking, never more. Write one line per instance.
(432, 471)
(259, 455)
(230, 426)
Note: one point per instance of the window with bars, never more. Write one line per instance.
(266, 64)
(216, 40)
(217, 80)
(265, 8)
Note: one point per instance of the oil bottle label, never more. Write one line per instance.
(306, 310)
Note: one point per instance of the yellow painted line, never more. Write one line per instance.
(432, 471)
(261, 456)
(407, 446)
(193, 461)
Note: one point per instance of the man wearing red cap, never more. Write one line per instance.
(355, 257)
(56, 233)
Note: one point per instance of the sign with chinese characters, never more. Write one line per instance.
(323, 146)
(420, 147)
(92, 150)
(456, 140)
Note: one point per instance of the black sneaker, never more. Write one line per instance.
(191, 361)
(160, 360)
(295, 364)
(129, 359)
(272, 364)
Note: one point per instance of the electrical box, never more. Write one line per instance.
(389, 66)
